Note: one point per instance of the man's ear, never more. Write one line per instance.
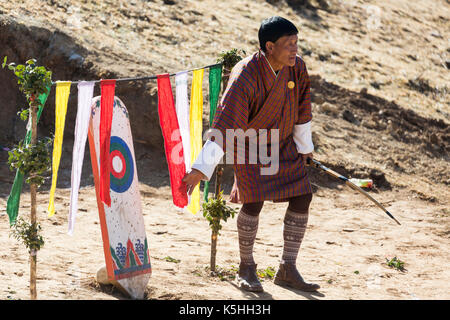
(269, 47)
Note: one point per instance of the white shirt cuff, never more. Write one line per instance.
(303, 138)
(208, 159)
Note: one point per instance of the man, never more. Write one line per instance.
(267, 90)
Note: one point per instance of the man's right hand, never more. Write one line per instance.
(192, 179)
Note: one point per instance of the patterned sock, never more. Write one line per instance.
(293, 231)
(247, 226)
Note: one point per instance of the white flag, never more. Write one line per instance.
(85, 94)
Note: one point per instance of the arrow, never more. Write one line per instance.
(351, 185)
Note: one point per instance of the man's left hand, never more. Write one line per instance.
(305, 157)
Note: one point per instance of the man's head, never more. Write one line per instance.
(278, 39)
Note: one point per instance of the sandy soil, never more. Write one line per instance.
(345, 248)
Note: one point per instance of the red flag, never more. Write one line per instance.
(107, 88)
(172, 140)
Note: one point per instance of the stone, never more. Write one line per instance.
(329, 108)
(102, 276)
(349, 116)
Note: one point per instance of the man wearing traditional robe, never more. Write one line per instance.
(268, 92)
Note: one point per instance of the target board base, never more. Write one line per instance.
(122, 224)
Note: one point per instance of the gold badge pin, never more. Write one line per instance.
(291, 84)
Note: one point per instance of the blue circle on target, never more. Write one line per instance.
(121, 181)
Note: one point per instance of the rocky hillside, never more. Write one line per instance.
(379, 70)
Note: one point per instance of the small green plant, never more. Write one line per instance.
(29, 157)
(197, 272)
(32, 160)
(170, 259)
(23, 114)
(267, 273)
(396, 264)
(223, 274)
(28, 234)
(230, 58)
(32, 80)
(215, 211)
(356, 272)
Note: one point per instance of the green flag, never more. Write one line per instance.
(12, 206)
(215, 77)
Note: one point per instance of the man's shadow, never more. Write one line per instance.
(253, 295)
(307, 295)
(267, 296)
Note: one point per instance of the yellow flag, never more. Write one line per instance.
(195, 122)
(61, 99)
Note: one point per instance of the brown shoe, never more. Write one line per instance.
(288, 275)
(247, 278)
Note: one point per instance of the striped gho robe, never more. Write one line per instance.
(257, 98)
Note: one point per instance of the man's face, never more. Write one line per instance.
(284, 50)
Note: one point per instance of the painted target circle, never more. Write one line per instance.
(121, 164)
(117, 164)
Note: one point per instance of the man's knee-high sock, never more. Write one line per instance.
(247, 226)
(293, 231)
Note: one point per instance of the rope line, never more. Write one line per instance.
(146, 77)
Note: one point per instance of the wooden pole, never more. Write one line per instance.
(33, 188)
(212, 262)
(219, 173)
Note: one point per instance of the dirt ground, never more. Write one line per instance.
(345, 248)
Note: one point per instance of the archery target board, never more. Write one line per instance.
(122, 225)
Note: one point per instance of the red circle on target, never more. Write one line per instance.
(118, 175)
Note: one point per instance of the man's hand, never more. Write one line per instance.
(305, 157)
(192, 179)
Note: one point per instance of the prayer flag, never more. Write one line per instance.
(173, 144)
(12, 206)
(182, 107)
(195, 119)
(215, 77)
(107, 88)
(85, 94)
(62, 97)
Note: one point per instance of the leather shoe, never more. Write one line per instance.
(247, 278)
(288, 275)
